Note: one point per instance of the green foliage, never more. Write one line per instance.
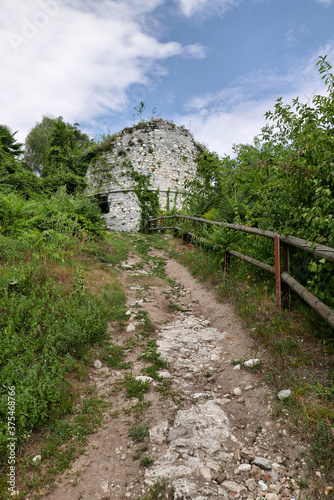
(147, 198)
(47, 219)
(159, 491)
(36, 144)
(146, 461)
(8, 143)
(170, 210)
(48, 316)
(53, 145)
(140, 109)
(11, 169)
(135, 388)
(139, 432)
(203, 192)
(151, 354)
(284, 182)
(114, 357)
(43, 328)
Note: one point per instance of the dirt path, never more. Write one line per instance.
(211, 432)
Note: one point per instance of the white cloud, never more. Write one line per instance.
(76, 58)
(220, 129)
(325, 2)
(206, 7)
(235, 115)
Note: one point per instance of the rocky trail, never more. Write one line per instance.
(208, 430)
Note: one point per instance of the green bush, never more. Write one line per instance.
(62, 213)
(43, 329)
(283, 182)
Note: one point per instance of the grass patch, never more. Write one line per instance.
(139, 432)
(113, 356)
(143, 317)
(146, 461)
(54, 309)
(138, 409)
(44, 332)
(59, 443)
(173, 307)
(113, 251)
(159, 491)
(151, 354)
(135, 388)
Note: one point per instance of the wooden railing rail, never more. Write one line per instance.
(284, 281)
(314, 248)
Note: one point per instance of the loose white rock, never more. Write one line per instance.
(124, 265)
(262, 462)
(37, 458)
(284, 394)
(245, 467)
(237, 391)
(105, 486)
(263, 486)
(251, 484)
(97, 364)
(130, 328)
(199, 394)
(212, 465)
(144, 378)
(206, 473)
(233, 487)
(164, 374)
(158, 433)
(252, 362)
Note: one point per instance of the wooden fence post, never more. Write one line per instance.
(225, 262)
(286, 268)
(278, 270)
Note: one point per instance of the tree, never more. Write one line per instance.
(10, 151)
(284, 182)
(49, 134)
(36, 144)
(8, 143)
(140, 109)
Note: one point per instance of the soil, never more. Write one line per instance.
(209, 384)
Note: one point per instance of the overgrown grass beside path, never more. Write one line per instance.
(52, 310)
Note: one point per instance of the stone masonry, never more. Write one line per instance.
(160, 150)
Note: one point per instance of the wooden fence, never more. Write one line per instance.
(284, 281)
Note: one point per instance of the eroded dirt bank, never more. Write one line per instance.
(211, 430)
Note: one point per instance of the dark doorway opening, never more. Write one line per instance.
(102, 200)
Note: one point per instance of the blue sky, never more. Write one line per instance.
(214, 66)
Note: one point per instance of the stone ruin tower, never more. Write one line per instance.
(161, 151)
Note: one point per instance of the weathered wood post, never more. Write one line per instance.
(225, 262)
(286, 268)
(278, 270)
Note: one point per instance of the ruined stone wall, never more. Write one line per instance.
(162, 151)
